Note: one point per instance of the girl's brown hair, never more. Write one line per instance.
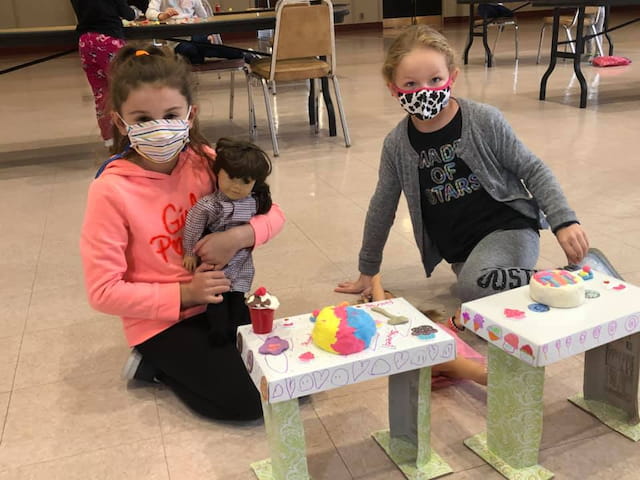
(416, 36)
(136, 65)
(245, 160)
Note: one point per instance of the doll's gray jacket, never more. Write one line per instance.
(507, 170)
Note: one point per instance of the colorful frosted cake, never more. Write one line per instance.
(557, 288)
(342, 329)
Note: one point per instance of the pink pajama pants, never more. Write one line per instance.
(96, 51)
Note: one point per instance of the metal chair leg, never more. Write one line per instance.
(515, 33)
(272, 127)
(343, 118)
(252, 108)
(495, 42)
(598, 40)
(231, 94)
(316, 95)
(544, 26)
(570, 39)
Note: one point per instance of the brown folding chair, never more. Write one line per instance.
(304, 48)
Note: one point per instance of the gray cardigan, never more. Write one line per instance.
(507, 170)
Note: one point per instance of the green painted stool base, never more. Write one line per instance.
(478, 443)
(405, 458)
(611, 416)
(262, 469)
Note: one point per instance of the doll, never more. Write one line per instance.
(241, 169)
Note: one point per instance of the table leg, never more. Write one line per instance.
(487, 50)
(514, 418)
(470, 39)
(605, 27)
(553, 58)
(610, 392)
(408, 442)
(285, 434)
(578, 56)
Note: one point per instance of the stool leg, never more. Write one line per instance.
(515, 30)
(285, 434)
(514, 418)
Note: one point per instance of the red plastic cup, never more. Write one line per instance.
(261, 319)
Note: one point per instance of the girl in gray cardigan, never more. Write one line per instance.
(476, 195)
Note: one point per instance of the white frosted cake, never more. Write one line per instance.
(557, 288)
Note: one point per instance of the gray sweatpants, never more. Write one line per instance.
(502, 260)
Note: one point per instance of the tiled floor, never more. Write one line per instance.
(65, 413)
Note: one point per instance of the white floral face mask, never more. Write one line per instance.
(424, 103)
(159, 141)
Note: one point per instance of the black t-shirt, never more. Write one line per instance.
(104, 16)
(456, 210)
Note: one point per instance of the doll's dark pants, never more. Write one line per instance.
(502, 260)
(211, 380)
(197, 52)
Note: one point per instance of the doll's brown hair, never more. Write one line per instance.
(245, 160)
(416, 36)
(136, 65)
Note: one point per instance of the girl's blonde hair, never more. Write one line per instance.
(416, 36)
(144, 64)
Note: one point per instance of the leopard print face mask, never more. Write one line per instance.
(425, 103)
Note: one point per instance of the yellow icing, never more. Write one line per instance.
(325, 329)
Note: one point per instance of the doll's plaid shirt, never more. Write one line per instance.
(216, 213)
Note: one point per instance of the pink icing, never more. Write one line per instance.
(346, 342)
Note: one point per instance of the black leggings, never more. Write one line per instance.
(211, 380)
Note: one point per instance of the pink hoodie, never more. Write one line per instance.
(131, 241)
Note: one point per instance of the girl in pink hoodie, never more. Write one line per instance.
(131, 240)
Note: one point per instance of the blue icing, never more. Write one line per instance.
(539, 307)
(427, 337)
(363, 323)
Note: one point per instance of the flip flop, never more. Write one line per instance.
(599, 262)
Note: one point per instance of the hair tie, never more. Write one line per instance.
(139, 53)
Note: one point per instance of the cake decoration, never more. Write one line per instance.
(274, 346)
(342, 329)
(262, 306)
(539, 307)
(306, 357)
(514, 313)
(557, 288)
(393, 319)
(590, 294)
(424, 332)
(586, 273)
